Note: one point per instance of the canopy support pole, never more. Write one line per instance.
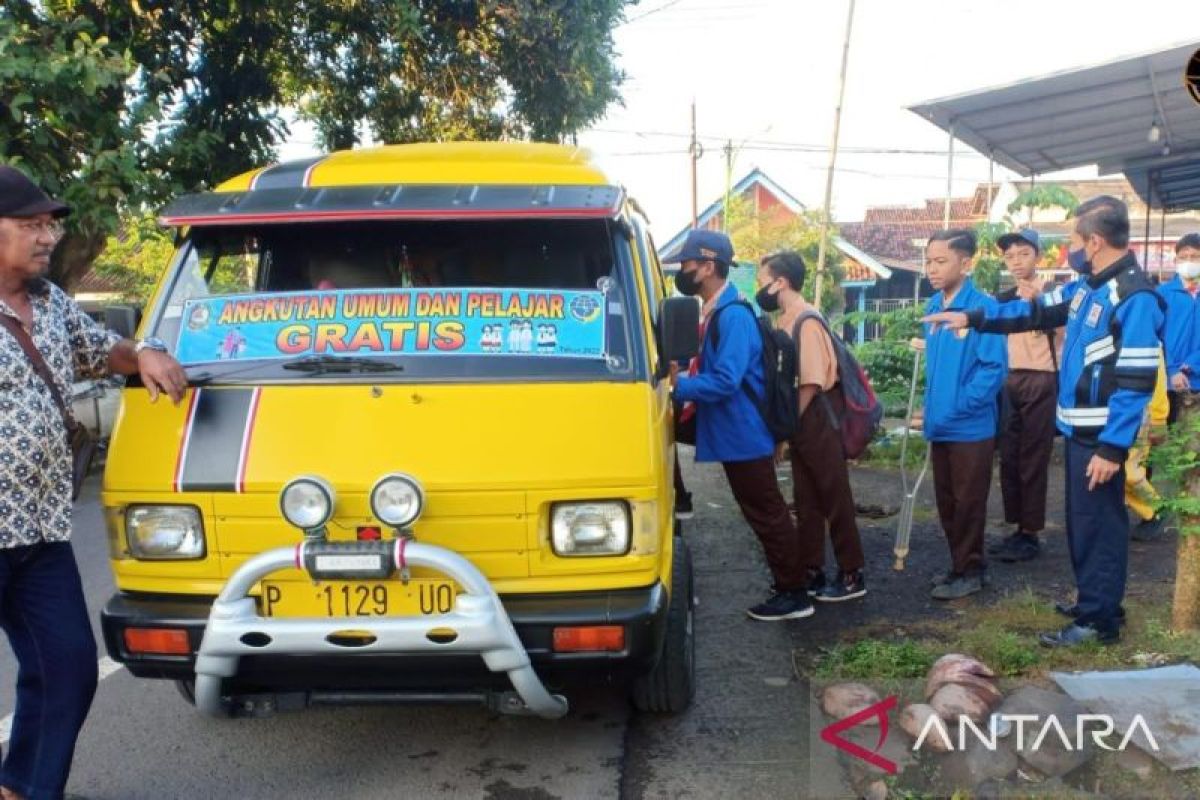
(1162, 242)
(1149, 206)
(949, 179)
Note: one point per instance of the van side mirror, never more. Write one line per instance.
(122, 319)
(678, 331)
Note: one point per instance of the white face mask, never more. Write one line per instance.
(1189, 270)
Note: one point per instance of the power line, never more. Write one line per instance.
(655, 10)
(766, 144)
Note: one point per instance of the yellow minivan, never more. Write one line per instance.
(426, 450)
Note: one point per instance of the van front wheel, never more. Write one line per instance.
(670, 686)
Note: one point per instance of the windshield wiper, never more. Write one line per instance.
(316, 365)
(326, 364)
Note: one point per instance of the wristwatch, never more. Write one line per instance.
(150, 343)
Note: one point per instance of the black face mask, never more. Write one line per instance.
(766, 300)
(686, 283)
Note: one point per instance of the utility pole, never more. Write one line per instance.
(728, 184)
(694, 152)
(837, 125)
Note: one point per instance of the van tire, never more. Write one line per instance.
(187, 690)
(671, 685)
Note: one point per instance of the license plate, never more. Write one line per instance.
(357, 598)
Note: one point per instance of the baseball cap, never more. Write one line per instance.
(703, 245)
(21, 197)
(1026, 236)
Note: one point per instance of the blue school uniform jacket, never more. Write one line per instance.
(729, 426)
(1181, 337)
(964, 371)
(1114, 323)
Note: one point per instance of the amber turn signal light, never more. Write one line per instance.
(157, 641)
(590, 638)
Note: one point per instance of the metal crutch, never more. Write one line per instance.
(904, 522)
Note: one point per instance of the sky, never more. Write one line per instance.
(763, 74)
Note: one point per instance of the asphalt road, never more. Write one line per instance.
(745, 735)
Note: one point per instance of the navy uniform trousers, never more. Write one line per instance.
(1098, 538)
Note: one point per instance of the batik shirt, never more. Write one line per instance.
(35, 460)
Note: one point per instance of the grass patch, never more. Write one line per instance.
(875, 658)
(1003, 635)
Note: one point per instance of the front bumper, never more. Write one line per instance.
(299, 658)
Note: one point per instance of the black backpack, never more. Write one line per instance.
(780, 405)
(862, 412)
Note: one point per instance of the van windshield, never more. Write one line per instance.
(403, 301)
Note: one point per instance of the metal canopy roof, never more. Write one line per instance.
(1098, 115)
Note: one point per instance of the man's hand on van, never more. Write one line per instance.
(162, 373)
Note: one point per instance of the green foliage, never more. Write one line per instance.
(1176, 464)
(134, 258)
(888, 360)
(876, 658)
(757, 234)
(1049, 195)
(68, 126)
(988, 264)
(116, 106)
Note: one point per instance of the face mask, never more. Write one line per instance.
(1078, 261)
(686, 283)
(1189, 270)
(766, 300)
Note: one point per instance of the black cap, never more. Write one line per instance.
(21, 197)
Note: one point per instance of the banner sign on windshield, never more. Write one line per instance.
(410, 322)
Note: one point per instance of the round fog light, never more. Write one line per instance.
(397, 500)
(307, 502)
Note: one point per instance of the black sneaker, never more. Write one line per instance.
(1075, 635)
(958, 586)
(950, 575)
(847, 586)
(817, 582)
(782, 605)
(1148, 530)
(683, 505)
(999, 547)
(1072, 612)
(1018, 547)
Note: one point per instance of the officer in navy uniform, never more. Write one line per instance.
(1114, 322)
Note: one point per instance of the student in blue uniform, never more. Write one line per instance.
(964, 371)
(721, 392)
(1110, 362)
(1181, 340)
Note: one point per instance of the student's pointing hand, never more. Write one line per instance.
(951, 320)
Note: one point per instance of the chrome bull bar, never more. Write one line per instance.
(478, 620)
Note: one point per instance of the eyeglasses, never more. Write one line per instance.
(34, 228)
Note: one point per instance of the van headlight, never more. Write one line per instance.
(307, 502)
(397, 500)
(164, 532)
(598, 528)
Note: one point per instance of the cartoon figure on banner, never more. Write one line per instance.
(232, 346)
(526, 336)
(547, 341)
